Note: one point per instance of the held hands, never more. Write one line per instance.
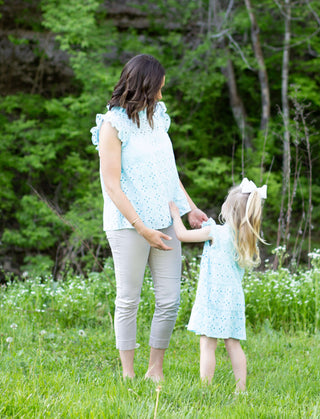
(153, 237)
(196, 217)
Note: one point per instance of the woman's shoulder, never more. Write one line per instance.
(116, 110)
(161, 115)
(118, 119)
(161, 107)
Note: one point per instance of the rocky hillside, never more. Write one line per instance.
(31, 61)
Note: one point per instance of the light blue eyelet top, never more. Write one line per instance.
(149, 176)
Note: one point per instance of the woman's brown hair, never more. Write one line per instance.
(138, 87)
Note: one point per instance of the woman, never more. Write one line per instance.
(139, 178)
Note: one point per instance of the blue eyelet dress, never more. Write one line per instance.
(149, 176)
(219, 308)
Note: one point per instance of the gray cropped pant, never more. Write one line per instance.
(131, 254)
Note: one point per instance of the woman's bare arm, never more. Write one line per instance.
(195, 216)
(110, 158)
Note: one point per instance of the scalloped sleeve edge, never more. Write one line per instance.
(115, 122)
(213, 228)
(165, 116)
(95, 130)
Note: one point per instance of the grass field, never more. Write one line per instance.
(76, 374)
(58, 357)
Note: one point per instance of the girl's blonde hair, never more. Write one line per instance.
(242, 211)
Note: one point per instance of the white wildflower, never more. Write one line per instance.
(13, 326)
(314, 255)
(82, 333)
(42, 332)
(9, 339)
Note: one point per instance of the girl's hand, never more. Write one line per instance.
(153, 237)
(196, 217)
(174, 210)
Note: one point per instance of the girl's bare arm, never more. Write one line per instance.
(184, 235)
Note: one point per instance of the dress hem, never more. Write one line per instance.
(216, 336)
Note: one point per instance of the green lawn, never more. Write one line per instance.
(58, 356)
(62, 374)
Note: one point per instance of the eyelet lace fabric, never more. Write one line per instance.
(149, 176)
(219, 308)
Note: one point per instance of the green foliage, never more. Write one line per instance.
(74, 302)
(279, 298)
(210, 175)
(82, 31)
(39, 226)
(74, 22)
(43, 189)
(17, 41)
(37, 263)
(50, 195)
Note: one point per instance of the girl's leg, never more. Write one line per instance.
(238, 361)
(130, 253)
(165, 268)
(208, 348)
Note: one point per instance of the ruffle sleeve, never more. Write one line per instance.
(213, 230)
(118, 119)
(164, 116)
(95, 130)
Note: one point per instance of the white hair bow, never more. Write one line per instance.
(247, 186)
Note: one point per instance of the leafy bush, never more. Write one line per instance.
(285, 300)
(282, 299)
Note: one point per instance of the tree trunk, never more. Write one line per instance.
(263, 76)
(238, 110)
(236, 103)
(286, 136)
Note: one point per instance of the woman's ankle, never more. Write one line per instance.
(127, 376)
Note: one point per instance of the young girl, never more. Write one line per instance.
(219, 309)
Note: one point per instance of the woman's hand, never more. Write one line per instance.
(196, 217)
(153, 237)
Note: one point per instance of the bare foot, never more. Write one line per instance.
(154, 377)
(128, 376)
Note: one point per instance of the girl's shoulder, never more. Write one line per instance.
(218, 232)
(209, 222)
(213, 227)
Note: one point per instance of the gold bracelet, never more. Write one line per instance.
(135, 221)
